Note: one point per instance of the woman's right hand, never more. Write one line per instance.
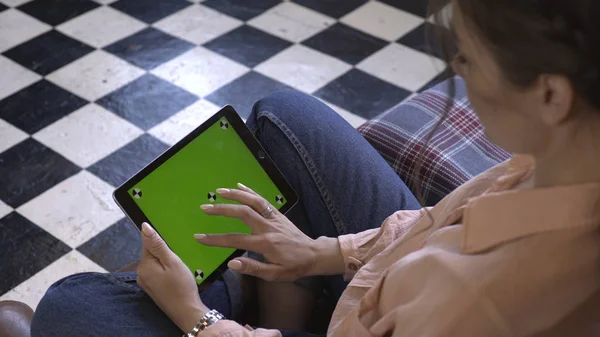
(289, 253)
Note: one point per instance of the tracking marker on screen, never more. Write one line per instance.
(199, 275)
(279, 199)
(224, 124)
(136, 193)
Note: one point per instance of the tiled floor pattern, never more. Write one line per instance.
(91, 91)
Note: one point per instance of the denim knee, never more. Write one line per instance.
(288, 104)
(59, 312)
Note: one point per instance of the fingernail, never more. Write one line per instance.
(243, 187)
(199, 236)
(235, 264)
(222, 191)
(206, 207)
(147, 230)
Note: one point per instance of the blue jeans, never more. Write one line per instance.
(344, 186)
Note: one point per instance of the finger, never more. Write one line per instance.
(243, 212)
(154, 245)
(246, 188)
(265, 271)
(249, 242)
(258, 203)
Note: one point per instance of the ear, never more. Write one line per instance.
(557, 99)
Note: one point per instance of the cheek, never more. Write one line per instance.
(483, 101)
(505, 119)
(499, 117)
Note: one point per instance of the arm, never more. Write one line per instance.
(358, 249)
(292, 254)
(334, 254)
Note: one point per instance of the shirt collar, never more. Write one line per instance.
(499, 217)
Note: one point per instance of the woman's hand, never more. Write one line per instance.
(169, 282)
(290, 254)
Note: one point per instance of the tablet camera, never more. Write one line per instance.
(224, 124)
(261, 154)
(212, 197)
(279, 199)
(199, 275)
(137, 193)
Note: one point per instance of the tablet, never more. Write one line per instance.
(167, 193)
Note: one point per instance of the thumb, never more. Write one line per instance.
(153, 244)
(265, 271)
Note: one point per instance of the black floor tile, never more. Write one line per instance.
(149, 48)
(362, 94)
(38, 105)
(416, 7)
(245, 91)
(55, 12)
(128, 160)
(25, 249)
(446, 74)
(48, 52)
(3, 7)
(423, 39)
(29, 169)
(150, 10)
(333, 8)
(247, 45)
(345, 43)
(428, 39)
(115, 247)
(147, 101)
(241, 9)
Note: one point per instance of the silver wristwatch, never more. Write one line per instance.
(209, 319)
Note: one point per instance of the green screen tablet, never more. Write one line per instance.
(169, 191)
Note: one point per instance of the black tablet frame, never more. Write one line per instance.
(137, 217)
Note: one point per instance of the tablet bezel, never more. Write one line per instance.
(137, 216)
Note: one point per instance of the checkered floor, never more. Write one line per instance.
(92, 91)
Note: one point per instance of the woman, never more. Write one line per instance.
(513, 252)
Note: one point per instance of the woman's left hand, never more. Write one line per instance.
(169, 282)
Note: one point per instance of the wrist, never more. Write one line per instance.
(191, 317)
(328, 257)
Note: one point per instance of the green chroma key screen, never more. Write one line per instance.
(171, 195)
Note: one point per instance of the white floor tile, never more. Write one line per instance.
(402, 66)
(198, 24)
(17, 28)
(75, 210)
(184, 122)
(14, 3)
(88, 135)
(291, 22)
(14, 77)
(303, 68)
(200, 71)
(31, 291)
(382, 20)
(10, 135)
(101, 26)
(4, 209)
(95, 75)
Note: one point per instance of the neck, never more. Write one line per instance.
(575, 161)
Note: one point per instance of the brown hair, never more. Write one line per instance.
(527, 38)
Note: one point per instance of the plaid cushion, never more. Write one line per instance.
(457, 152)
